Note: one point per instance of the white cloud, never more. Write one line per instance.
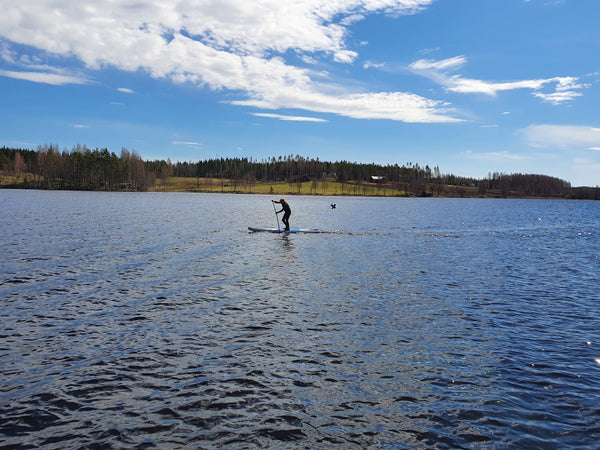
(126, 90)
(446, 64)
(235, 45)
(308, 59)
(6, 54)
(351, 19)
(100, 31)
(190, 143)
(469, 86)
(426, 51)
(44, 77)
(384, 105)
(289, 118)
(31, 68)
(565, 88)
(556, 98)
(562, 136)
(494, 156)
(369, 65)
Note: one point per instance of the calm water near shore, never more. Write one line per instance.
(158, 320)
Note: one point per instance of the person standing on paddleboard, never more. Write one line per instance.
(287, 212)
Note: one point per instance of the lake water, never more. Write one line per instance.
(158, 320)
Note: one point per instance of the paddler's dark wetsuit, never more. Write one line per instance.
(287, 212)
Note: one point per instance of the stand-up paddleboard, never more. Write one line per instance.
(291, 230)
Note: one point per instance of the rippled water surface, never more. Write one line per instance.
(158, 320)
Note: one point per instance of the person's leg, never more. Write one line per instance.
(286, 221)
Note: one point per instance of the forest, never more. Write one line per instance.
(100, 169)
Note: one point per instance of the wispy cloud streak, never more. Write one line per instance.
(289, 118)
(44, 77)
(565, 88)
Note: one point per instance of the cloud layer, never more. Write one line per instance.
(239, 46)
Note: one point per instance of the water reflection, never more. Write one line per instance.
(288, 244)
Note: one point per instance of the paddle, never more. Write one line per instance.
(276, 216)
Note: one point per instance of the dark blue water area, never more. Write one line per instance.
(159, 320)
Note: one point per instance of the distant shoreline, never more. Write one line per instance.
(308, 188)
(101, 170)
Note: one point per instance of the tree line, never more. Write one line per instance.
(82, 168)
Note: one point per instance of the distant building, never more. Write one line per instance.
(377, 179)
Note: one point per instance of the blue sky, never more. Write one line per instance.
(471, 86)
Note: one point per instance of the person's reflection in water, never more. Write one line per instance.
(288, 245)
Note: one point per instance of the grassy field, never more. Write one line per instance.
(178, 184)
(217, 185)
